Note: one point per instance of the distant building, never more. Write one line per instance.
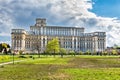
(70, 38)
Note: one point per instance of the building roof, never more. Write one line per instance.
(65, 27)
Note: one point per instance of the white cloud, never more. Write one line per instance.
(6, 25)
(74, 12)
(78, 14)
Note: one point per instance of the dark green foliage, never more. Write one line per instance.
(4, 47)
(2, 66)
(1, 47)
(30, 56)
(22, 56)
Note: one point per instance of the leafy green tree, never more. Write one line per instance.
(114, 52)
(72, 53)
(63, 51)
(4, 47)
(53, 46)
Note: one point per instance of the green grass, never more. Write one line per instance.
(95, 56)
(67, 68)
(93, 74)
(8, 58)
(49, 60)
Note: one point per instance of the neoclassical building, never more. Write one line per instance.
(70, 38)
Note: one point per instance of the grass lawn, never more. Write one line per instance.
(67, 68)
(8, 58)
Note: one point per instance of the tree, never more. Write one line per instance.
(37, 47)
(4, 47)
(1, 47)
(53, 46)
(80, 53)
(88, 52)
(94, 53)
(72, 53)
(114, 52)
(104, 53)
(20, 52)
(63, 51)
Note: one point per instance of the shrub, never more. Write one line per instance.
(30, 56)
(22, 56)
(88, 52)
(20, 52)
(63, 51)
(80, 53)
(72, 53)
(2, 66)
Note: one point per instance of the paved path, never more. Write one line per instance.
(10, 62)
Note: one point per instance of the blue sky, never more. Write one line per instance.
(107, 8)
(94, 15)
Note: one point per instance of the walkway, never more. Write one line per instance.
(10, 62)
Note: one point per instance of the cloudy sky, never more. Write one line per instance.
(94, 15)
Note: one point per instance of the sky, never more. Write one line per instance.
(93, 15)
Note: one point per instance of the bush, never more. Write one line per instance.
(72, 53)
(30, 56)
(2, 66)
(22, 56)
(80, 53)
(20, 52)
(87, 52)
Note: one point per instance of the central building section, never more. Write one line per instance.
(70, 38)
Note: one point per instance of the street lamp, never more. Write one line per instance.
(13, 57)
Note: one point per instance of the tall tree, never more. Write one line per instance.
(3, 47)
(53, 46)
(37, 47)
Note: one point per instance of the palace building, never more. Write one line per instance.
(70, 38)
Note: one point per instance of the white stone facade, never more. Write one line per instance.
(70, 38)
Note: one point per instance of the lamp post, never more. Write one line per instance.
(13, 57)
